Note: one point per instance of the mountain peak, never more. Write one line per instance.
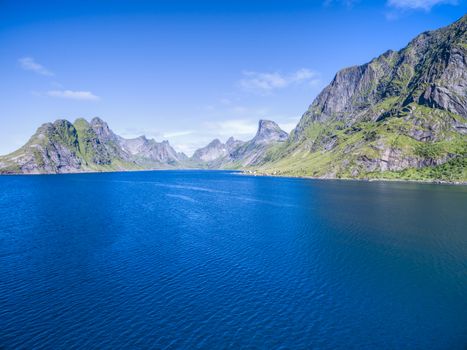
(81, 122)
(215, 143)
(102, 130)
(269, 131)
(97, 121)
(214, 150)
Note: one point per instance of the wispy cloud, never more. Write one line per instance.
(348, 3)
(418, 4)
(177, 133)
(74, 95)
(265, 83)
(28, 63)
(233, 127)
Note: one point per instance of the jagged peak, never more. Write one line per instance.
(81, 121)
(60, 122)
(215, 142)
(231, 141)
(97, 120)
(269, 130)
(102, 130)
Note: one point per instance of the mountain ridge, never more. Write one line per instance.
(82, 146)
(402, 115)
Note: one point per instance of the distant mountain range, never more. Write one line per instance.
(64, 147)
(403, 115)
(82, 146)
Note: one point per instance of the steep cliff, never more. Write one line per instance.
(402, 115)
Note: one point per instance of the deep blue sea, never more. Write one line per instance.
(216, 260)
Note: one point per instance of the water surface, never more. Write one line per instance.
(200, 259)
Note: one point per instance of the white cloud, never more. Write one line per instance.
(348, 3)
(418, 4)
(28, 63)
(74, 95)
(177, 133)
(264, 83)
(233, 127)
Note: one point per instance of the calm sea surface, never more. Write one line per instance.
(205, 259)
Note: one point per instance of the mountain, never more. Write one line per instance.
(214, 150)
(236, 154)
(216, 154)
(402, 115)
(255, 151)
(63, 147)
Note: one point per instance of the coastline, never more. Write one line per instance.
(251, 173)
(432, 182)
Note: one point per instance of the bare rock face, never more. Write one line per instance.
(214, 150)
(233, 144)
(269, 131)
(431, 70)
(102, 130)
(147, 151)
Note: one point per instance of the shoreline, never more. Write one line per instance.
(247, 173)
(112, 171)
(432, 182)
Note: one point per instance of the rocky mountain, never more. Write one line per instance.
(63, 147)
(214, 150)
(216, 154)
(232, 144)
(269, 132)
(402, 115)
(255, 151)
(236, 154)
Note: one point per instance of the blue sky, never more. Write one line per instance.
(189, 71)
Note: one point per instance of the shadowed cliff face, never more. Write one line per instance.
(431, 71)
(395, 116)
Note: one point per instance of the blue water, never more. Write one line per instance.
(193, 259)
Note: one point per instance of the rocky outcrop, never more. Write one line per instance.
(268, 132)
